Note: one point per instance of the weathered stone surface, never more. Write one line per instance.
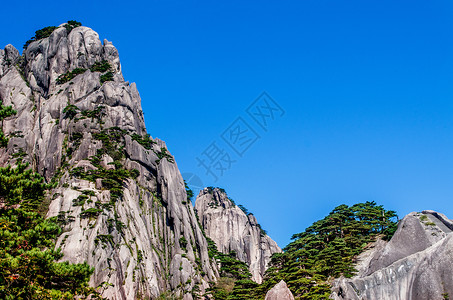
(415, 264)
(279, 292)
(232, 230)
(412, 236)
(8, 57)
(133, 242)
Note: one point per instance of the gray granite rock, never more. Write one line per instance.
(415, 264)
(279, 292)
(232, 230)
(135, 242)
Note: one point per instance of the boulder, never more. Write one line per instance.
(279, 292)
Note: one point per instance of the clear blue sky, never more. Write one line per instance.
(366, 87)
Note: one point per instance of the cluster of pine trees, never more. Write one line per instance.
(327, 249)
(324, 251)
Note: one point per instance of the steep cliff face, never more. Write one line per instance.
(117, 192)
(416, 263)
(233, 230)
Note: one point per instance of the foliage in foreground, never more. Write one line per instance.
(28, 264)
(28, 267)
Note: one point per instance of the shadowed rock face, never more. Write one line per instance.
(416, 263)
(147, 240)
(279, 292)
(232, 230)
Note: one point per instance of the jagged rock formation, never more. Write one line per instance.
(415, 264)
(279, 292)
(233, 230)
(118, 192)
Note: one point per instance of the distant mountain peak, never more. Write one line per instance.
(232, 228)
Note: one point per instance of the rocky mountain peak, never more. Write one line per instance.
(212, 198)
(232, 228)
(116, 191)
(64, 51)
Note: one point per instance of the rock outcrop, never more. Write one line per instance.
(117, 192)
(279, 292)
(415, 264)
(233, 230)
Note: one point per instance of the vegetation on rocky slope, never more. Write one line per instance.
(324, 251)
(47, 31)
(327, 248)
(234, 275)
(28, 258)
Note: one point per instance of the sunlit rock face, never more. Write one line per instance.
(233, 230)
(417, 263)
(279, 292)
(117, 192)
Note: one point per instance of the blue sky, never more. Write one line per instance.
(366, 87)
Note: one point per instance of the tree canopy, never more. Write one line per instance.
(28, 267)
(327, 249)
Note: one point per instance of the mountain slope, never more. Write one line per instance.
(234, 230)
(117, 192)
